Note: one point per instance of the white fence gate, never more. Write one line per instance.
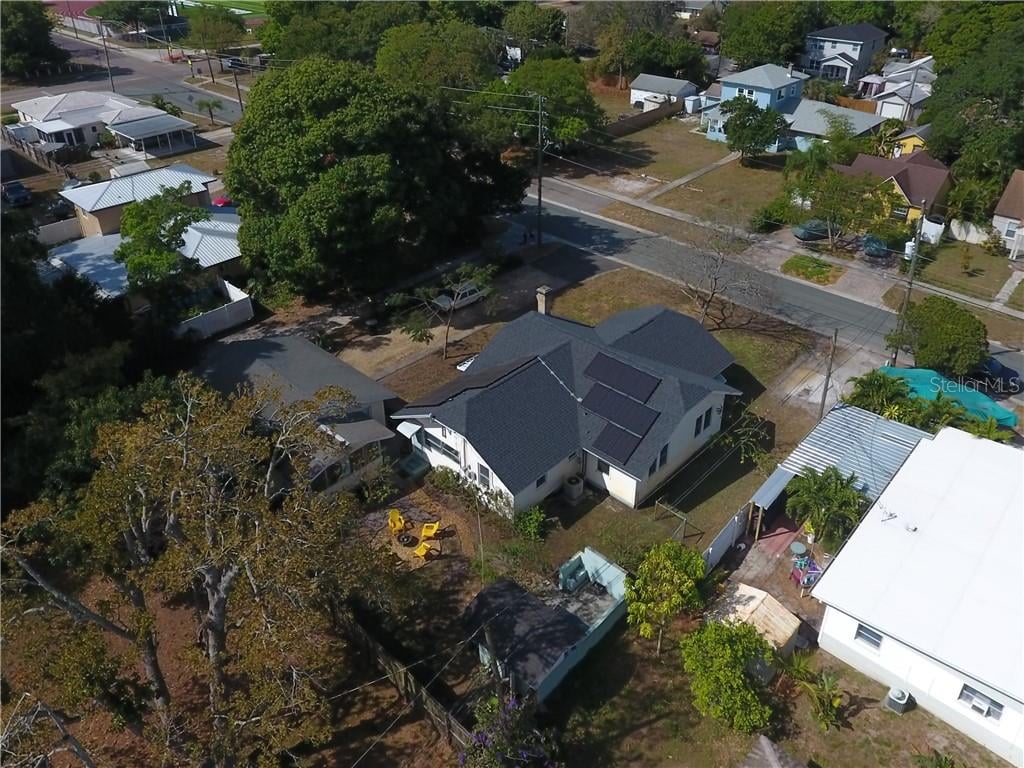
(238, 310)
(965, 231)
(731, 532)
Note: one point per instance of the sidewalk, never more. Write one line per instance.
(690, 177)
(860, 281)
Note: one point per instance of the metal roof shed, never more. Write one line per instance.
(148, 127)
(853, 440)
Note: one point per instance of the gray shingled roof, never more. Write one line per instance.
(765, 76)
(520, 405)
(858, 33)
(658, 84)
(529, 636)
(296, 366)
(807, 118)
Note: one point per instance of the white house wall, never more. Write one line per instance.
(615, 483)
(682, 445)
(531, 495)
(934, 686)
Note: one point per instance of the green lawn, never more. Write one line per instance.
(985, 277)
(1016, 300)
(812, 269)
(255, 8)
(730, 194)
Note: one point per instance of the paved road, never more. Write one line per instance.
(133, 76)
(799, 303)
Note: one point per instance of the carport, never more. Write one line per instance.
(161, 130)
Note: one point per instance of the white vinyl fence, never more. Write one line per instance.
(731, 532)
(967, 232)
(238, 310)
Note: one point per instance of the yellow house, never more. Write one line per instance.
(911, 140)
(919, 179)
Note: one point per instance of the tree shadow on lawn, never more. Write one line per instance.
(610, 160)
(610, 697)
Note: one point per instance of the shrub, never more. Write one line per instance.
(446, 481)
(95, 176)
(778, 212)
(994, 245)
(530, 523)
(107, 140)
(9, 118)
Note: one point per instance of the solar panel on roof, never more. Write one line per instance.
(617, 443)
(620, 410)
(622, 377)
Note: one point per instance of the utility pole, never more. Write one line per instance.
(540, 166)
(71, 15)
(106, 53)
(828, 374)
(910, 285)
(241, 106)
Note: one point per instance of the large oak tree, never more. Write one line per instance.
(347, 180)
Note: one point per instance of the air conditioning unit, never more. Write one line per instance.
(572, 488)
(898, 700)
(980, 707)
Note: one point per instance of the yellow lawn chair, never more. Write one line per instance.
(396, 522)
(424, 549)
(429, 531)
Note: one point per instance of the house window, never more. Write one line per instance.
(94, 129)
(542, 479)
(707, 418)
(856, 49)
(443, 448)
(444, 432)
(652, 469)
(1011, 230)
(980, 703)
(899, 213)
(602, 467)
(832, 44)
(483, 473)
(868, 636)
(697, 427)
(792, 90)
(663, 456)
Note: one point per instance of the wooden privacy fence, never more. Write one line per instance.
(26, 150)
(410, 688)
(861, 105)
(634, 123)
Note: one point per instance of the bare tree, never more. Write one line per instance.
(716, 283)
(34, 733)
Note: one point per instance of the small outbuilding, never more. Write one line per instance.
(648, 92)
(742, 603)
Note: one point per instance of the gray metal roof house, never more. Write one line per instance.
(621, 405)
(855, 441)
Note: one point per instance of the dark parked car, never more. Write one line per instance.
(812, 229)
(234, 63)
(875, 247)
(996, 378)
(60, 209)
(15, 193)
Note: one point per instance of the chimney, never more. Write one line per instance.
(542, 299)
(789, 70)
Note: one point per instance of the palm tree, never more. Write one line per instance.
(209, 105)
(826, 503)
(885, 139)
(988, 429)
(879, 393)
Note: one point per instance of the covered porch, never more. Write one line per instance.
(838, 67)
(156, 136)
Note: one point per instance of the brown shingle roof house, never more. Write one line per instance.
(1011, 204)
(918, 176)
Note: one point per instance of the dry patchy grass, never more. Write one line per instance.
(1016, 300)
(984, 277)
(730, 193)
(673, 228)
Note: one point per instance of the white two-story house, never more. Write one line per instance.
(843, 52)
(927, 595)
(620, 406)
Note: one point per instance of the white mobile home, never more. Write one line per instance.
(927, 596)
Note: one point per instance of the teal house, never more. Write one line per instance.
(781, 88)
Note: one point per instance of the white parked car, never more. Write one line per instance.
(465, 294)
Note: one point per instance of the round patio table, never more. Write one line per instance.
(798, 548)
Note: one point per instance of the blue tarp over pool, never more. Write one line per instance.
(927, 383)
